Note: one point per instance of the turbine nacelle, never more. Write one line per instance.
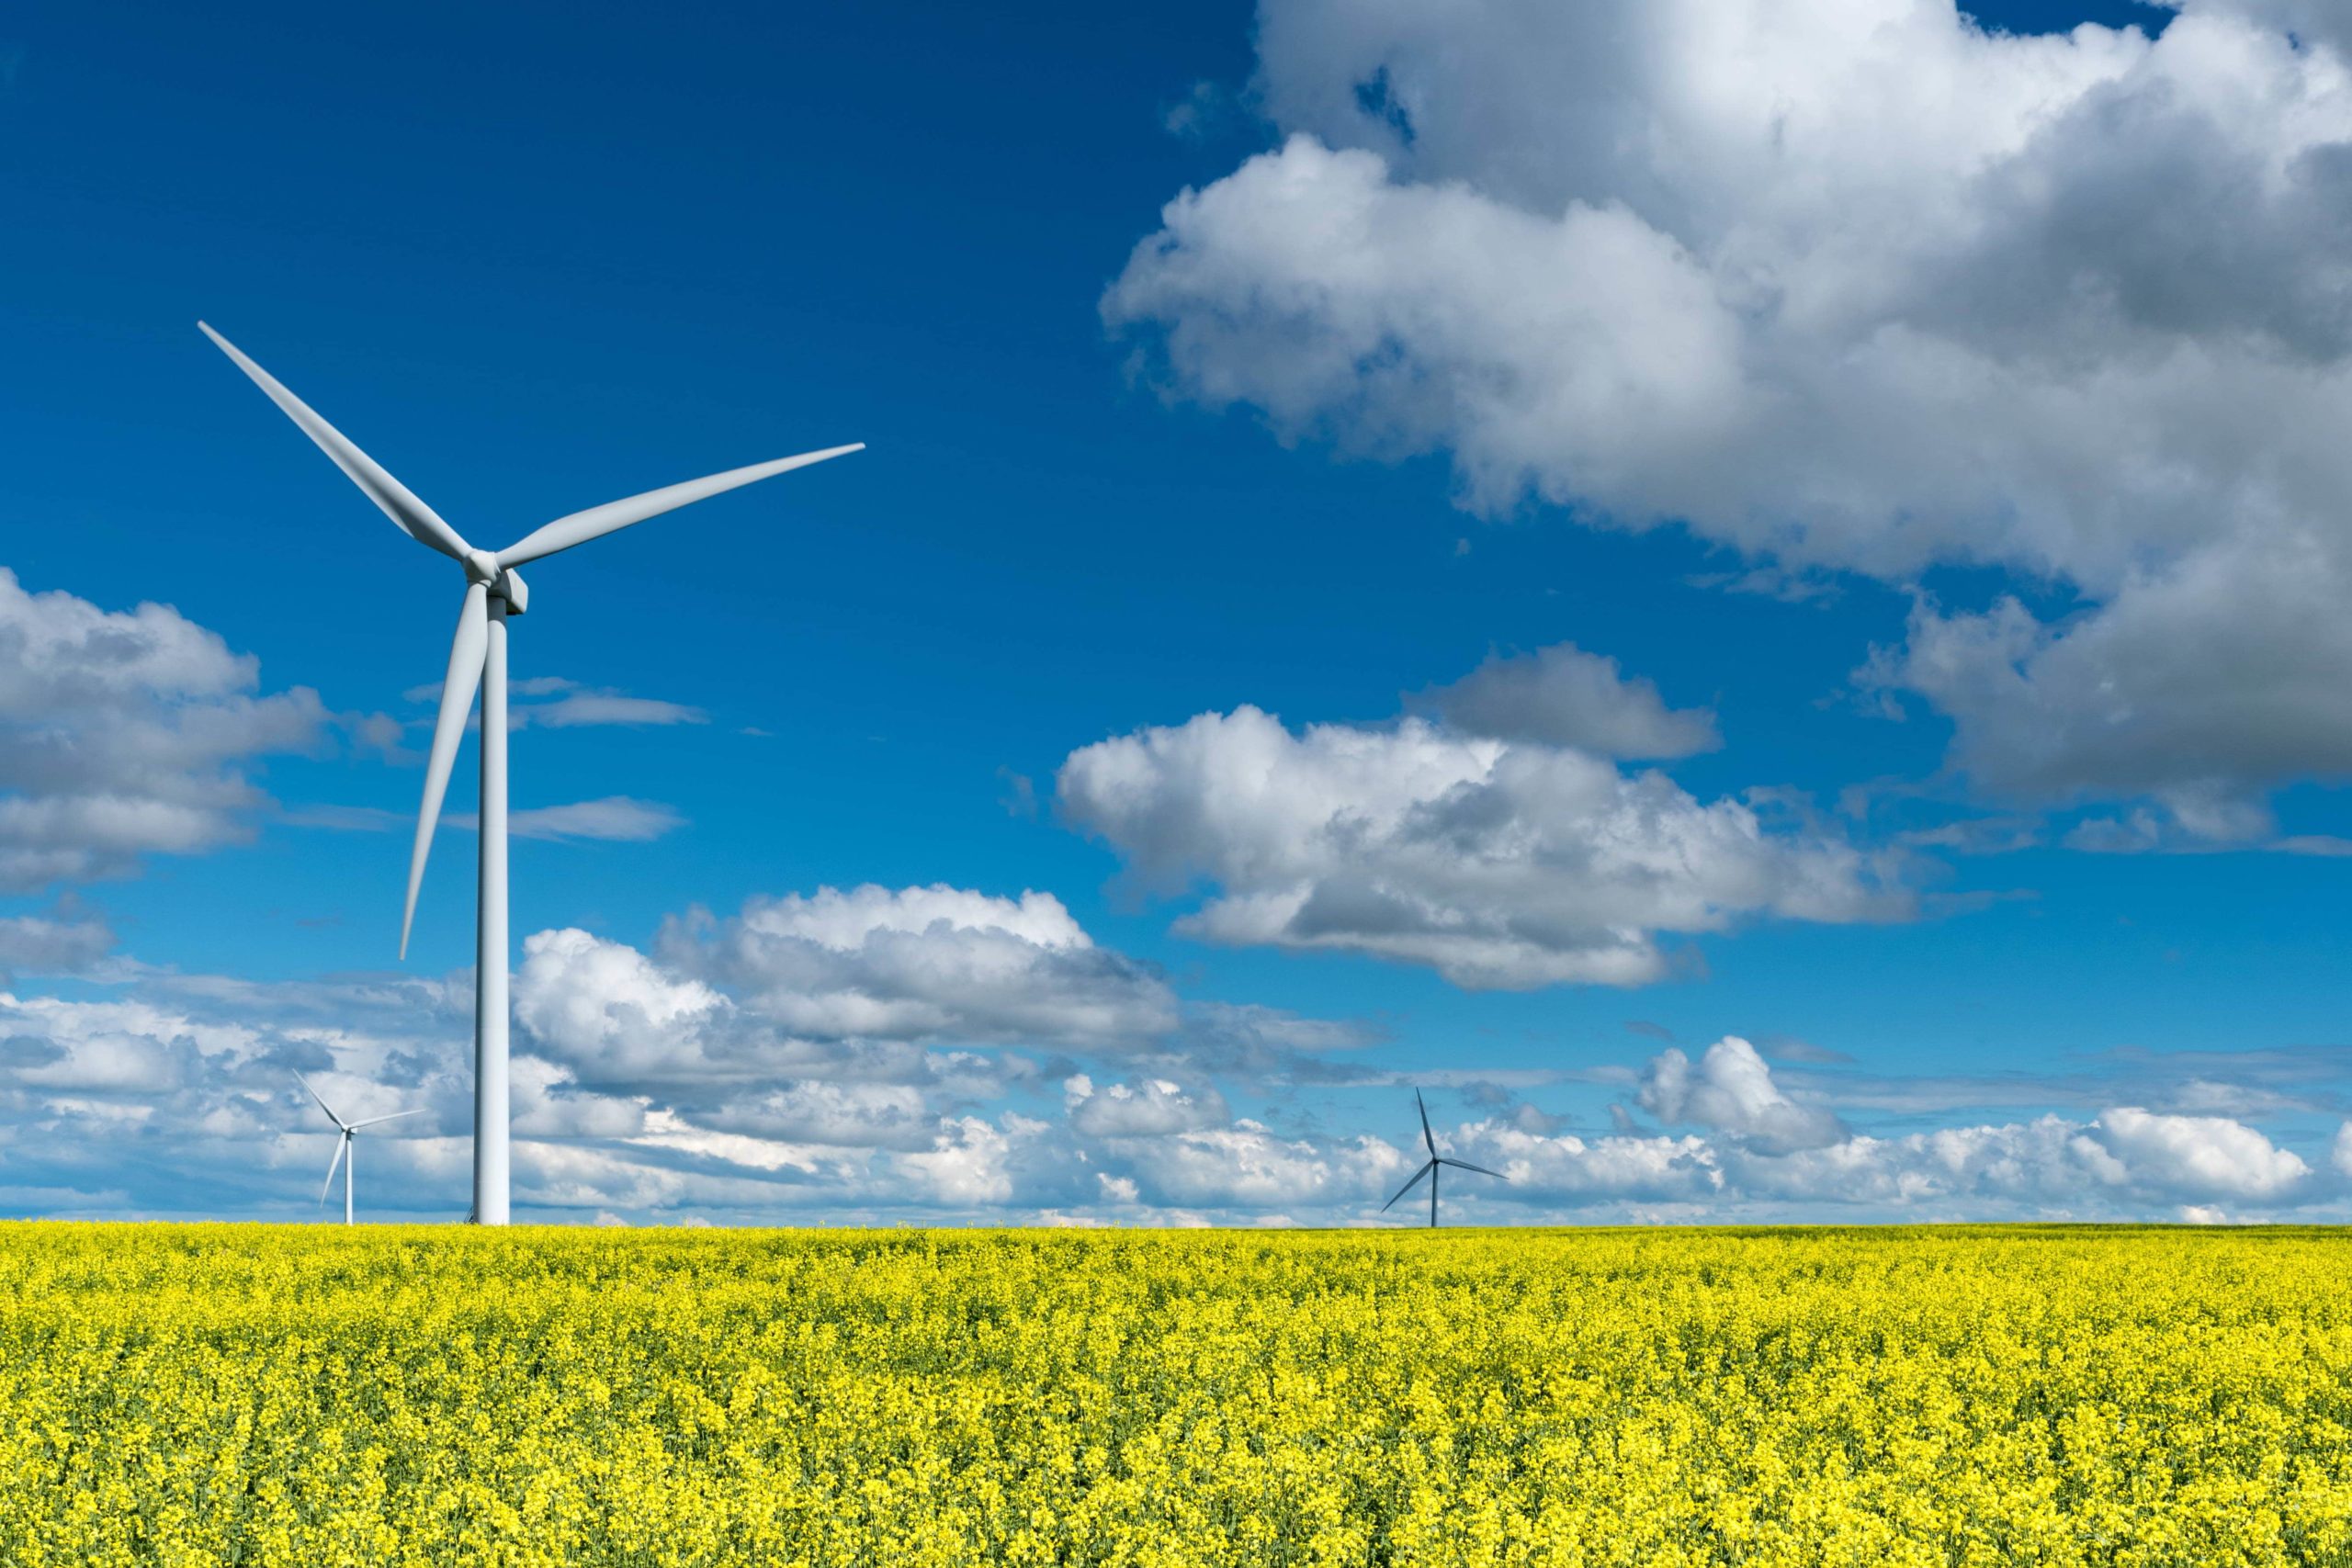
(503, 581)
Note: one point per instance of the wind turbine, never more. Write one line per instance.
(1429, 1169)
(345, 1153)
(494, 591)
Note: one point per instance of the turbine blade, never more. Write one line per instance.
(419, 1111)
(1457, 1164)
(581, 526)
(321, 1098)
(466, 654)
(341, 1144)
(1425, 1123)
(1409, 1186)
(411, 516)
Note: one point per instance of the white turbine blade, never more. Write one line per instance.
(321, 1098)
(1425, 1125)
(339, 1144)
(1409, 1186)
(448, 726)
(411, 516)
(597, 520)
(1457, 1164)
(419, 1111)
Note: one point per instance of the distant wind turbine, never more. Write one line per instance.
(1429, 1169)
(343, 1155)
(493, 592)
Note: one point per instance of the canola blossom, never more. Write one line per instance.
(191, 1395)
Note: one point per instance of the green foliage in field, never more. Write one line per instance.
(225, 1394)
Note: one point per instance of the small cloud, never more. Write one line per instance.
(1648, 1030)
(2326, 844)
(616, 818)
(1461, 546)
(577, 706)
(1019, 796)
(1978, 835)
(1562, 695)
(376, 733)
(2116, 836)
(32, 943)
(1788, 1048)
(580, 710)
(1205, 111)
(1769, 582)
(348, 818)
(534, 686)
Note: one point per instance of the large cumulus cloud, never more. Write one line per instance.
(1857, 287)
(126, 733)
(1499, 863)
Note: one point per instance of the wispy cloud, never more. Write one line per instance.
(576, 706)
(617, 818)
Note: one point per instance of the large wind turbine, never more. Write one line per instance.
(494, 591)
(346, 1153)
(1429, 1169)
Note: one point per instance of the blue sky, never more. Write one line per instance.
(1139, 461)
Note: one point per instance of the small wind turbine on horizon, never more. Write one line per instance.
(344, 1145)
(494, 591)
(1429, 1169)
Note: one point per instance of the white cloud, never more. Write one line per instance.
(578, 709)
(2123, 1161)
(49, 946)
(924, 963)
(648, 1094)
(126, 733)
(1499, 864)
(1562, 695)
(967, 1165)
(1247, 1166)
(1566, 1168)
(1854, 286)
(1153, 1108)
(1731, 1090)
(2199, 1157)
(616, 818)
(576, 706)
(608, 1012)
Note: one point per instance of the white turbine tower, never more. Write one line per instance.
(344, 1155)
(1429, 1169)
(493, 592)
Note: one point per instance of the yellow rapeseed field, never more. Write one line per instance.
(315, 1396)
